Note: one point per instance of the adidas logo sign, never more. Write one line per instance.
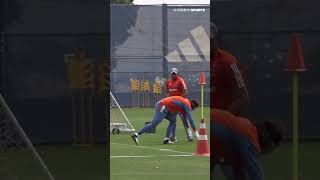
(189, 51)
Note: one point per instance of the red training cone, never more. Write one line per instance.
(295, 56)
(203, 145)
(202, 79)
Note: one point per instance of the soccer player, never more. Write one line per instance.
(240, 143)
(176, 86)
(168, 108)
(229, 90)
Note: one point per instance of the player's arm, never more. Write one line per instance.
(167, 89)
(251, 163)
(246, 163)
(184, 89)
(191, 121)
(240, 96)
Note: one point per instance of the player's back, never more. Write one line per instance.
(227, 74)
(228, 128)
(176, 104)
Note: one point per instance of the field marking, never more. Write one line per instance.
(146, 147)
(150, 156)
(161, 174)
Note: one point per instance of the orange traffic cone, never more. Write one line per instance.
(203, 145)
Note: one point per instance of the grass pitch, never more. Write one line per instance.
(151, 160)
(65, 162)
(278, 164)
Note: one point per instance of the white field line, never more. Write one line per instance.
(151, 156)
(161, 174)
(146, 147)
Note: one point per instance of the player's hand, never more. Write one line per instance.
(196, 134)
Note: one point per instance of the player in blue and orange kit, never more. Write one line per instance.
(239, 143)
(176, 86)
(168, 108)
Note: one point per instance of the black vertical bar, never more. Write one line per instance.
(211, 89)
(165, 39)
(107, 94)
(2, 46)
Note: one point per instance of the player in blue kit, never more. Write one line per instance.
(168, 108)
(240, 143)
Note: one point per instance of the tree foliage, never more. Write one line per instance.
(121, 1)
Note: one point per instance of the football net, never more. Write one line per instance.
(119, 122)
(18, 157)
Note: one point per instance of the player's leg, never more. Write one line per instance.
(159, 114)
(173, 128)
(246, 161)
(250, 160)
(225, 137)
(170, 129)
(186, 126)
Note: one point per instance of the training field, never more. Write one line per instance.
(152, 159)
(277, 165)
(65, 162)
(89, 163)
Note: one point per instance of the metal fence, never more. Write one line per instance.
(121, 87)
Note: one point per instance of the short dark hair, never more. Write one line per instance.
(194, 104)
(270, 135)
